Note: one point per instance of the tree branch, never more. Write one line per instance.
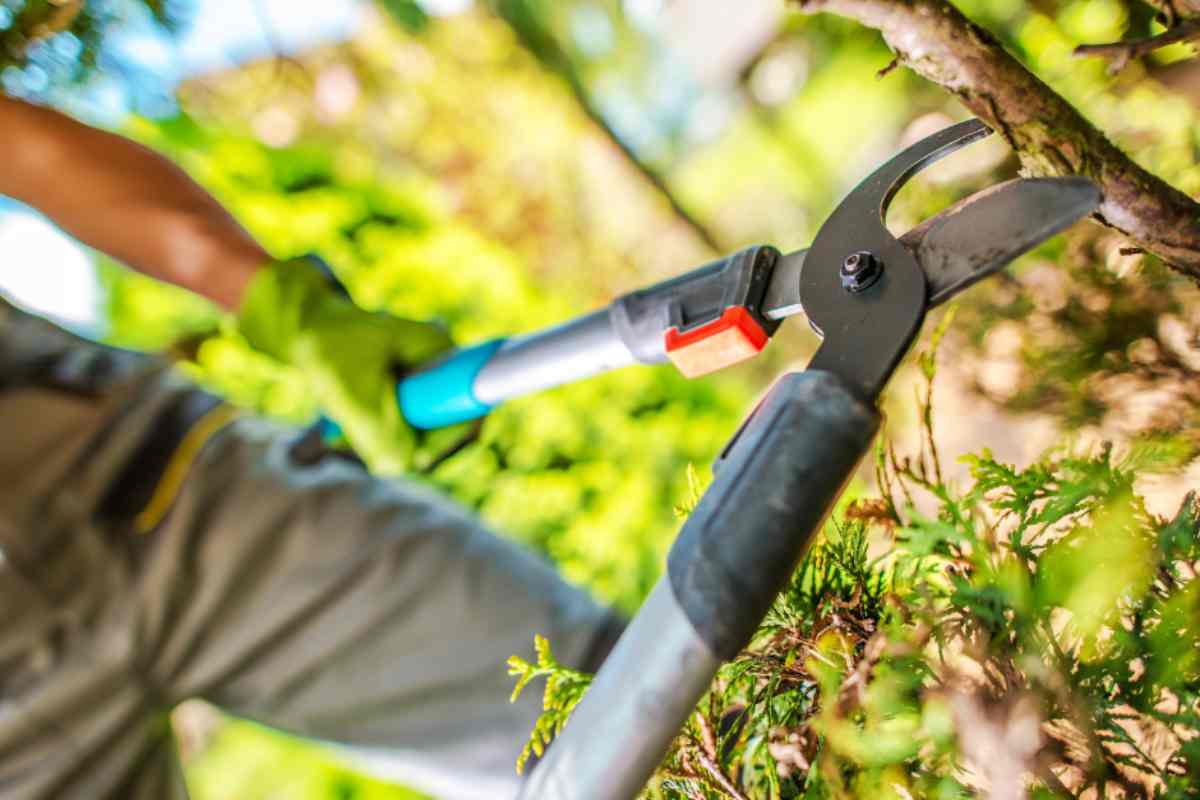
(1118, 54)
(707, 754)
(1050, 136)
(546, 49)
(1171, 12)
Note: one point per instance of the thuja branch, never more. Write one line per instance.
(1049, 135)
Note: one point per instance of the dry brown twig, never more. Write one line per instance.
(1050, 137)
(1119, 54)
(719, 776)
(699, 760)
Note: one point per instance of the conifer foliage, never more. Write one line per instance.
(1035, 632)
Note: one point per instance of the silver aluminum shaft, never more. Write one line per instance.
(649, 683)
(563, 354)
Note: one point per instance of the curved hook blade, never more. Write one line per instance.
(882, 185)
(967, 242)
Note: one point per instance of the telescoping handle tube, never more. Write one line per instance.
(471, 382)
(775, 486)
(703, 320)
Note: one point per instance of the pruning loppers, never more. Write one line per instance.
(727, 311)
(866, 293)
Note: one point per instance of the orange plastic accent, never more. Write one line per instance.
(735, 336)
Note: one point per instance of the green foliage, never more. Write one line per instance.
(408, 13)
(606, 458)
(695, 490)
(563, 691)
(933, 621)
(244, 761)
(1038, 624)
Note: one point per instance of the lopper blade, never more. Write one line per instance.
(969, 241)
(986, 231)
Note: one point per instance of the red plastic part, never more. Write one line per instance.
(735, 336)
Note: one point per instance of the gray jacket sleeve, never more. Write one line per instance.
(373, 615)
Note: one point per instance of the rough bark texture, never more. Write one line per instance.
(1049, 135)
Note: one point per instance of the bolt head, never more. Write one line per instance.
(860, 271)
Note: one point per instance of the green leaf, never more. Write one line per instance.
(408, 13)
(564, 689)
(1096, 567)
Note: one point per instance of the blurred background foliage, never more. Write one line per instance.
(502, 165)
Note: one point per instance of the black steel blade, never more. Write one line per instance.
(969, 241)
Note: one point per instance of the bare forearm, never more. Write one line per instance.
(126, 201)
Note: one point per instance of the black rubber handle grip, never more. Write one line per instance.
(776, 485)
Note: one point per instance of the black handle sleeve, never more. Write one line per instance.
(777, 482)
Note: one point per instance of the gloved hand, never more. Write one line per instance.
(295, 313)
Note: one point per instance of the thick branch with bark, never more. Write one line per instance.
(1049, 135)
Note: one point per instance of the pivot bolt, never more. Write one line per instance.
(860, 271)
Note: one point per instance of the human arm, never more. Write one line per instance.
(133, 204)
(126, 201)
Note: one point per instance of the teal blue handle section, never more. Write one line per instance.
(444, 394)
(440, 396)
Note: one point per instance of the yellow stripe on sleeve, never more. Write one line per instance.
(181, 461)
